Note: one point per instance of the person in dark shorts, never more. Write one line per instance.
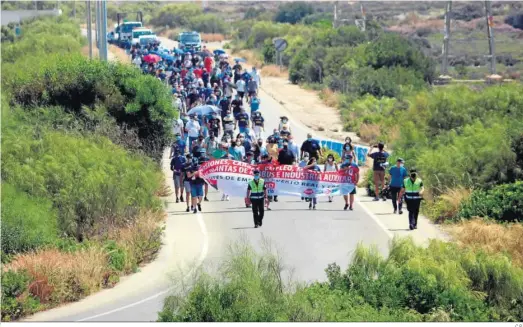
(196, 187)
(380, 163)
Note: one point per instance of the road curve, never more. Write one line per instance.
(310, 240)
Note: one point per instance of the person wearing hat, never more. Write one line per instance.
(347, 164)
(378, 168)
(413, 191)
(257, 193)
(398, 174)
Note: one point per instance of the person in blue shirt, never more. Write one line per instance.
(177, 163)
(242, 120)
(255, 103)
(177, 145)
(346, 165)
(398, 174)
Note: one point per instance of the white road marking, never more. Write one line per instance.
(201, 258)
(376, 219)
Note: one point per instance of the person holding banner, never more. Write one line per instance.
(330, 165)
(257, 193)
(349, 164)
(313, 166)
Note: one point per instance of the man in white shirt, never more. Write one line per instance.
(177, 125)
(137, 61)
(240, 87)
(193, 130)
(256, 76)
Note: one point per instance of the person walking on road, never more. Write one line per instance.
(177, 163)
(196, 187)
(346, 165)
(314, 167)
(257, 193)
(187, 184)
(378, 167)
(398, 174)
(413, 191)
(330, 165)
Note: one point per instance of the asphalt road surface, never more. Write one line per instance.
(309, 241)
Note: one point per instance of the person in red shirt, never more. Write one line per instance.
(208, 63)
(198, 72)
(183, 73)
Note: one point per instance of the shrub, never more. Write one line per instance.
(50, 164)
(15, 300)
(502, 202)
(442, 282)
(28, 223)
(136, 101)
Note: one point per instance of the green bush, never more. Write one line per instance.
(136, 101)
(28, 223)
(441, 282)
(116, 255)
(502, 202)
(292, 12)
(15, 300)
(84, 183)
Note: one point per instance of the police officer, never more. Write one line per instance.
(413, 191)
(257, 193)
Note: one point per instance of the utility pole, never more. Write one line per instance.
(490, 24)
(364, 17)
(89, 28)
(335, 20)
(103, 30)
(446, 40)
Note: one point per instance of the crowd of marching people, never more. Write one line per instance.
(221, 118)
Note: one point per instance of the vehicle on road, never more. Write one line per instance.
(139, 32)
(190, 41)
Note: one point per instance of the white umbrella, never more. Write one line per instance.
(204, 110)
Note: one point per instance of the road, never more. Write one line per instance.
(310, 240)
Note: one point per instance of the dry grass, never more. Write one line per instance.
(164, 191)
(330, 98)
(491, 237)
(119, 54)
(274, 71)
(250, 56)
(369, 132)
(140, 240)
(63, 277)
(212, 37)
(85, 51)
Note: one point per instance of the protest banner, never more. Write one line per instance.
(231, 177)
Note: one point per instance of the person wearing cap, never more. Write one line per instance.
(347, 164)
(378, 167)
(257, 193)
(398, 174)
(413, 190)
(312, 147)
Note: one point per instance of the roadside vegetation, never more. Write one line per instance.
(81, 142)
(440, 283)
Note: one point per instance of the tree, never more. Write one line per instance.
(293, 12)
